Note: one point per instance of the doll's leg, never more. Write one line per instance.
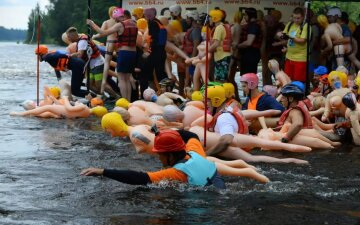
(35, 112)
(238, 163)
(196, 78)
(237, 153)
(339, 54)
(246, 172)
(310, 142)
(315, 134)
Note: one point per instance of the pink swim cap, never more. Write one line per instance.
(118, 12)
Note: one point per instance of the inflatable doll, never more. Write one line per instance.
(353, 115)
(333, 32)
(143, 140)
(67, 110)
(281, 78)
(163, 99)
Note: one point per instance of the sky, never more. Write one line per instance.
(15, 13)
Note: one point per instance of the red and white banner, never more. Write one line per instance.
(230, 6)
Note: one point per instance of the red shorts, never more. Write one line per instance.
(295, 70)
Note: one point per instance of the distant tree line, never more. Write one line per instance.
(12, 34)
(61, 14)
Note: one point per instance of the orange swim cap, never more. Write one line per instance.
(96, 102)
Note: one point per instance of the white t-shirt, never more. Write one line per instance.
(98, 61)
(226, 124)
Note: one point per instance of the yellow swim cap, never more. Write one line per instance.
(197, 96)
(141, 24)
(55, 91)
(217, 95)
(114, 122)
(176, 26)
(341, 75)
(229, 90)
(216, 15)
(352, 26)
(122, 102)
(357, 83)
(99, 111)
(138, 12)
(323, 21)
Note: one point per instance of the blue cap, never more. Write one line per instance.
(154, 98)
(299, 84)
(320, 70)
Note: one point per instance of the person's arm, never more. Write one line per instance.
(249, 40)
(329, 44)
(214, 45)
(174, 96)
(222, 145)
(118, 27)
(297, 121)
(124, 176)
(217, 38)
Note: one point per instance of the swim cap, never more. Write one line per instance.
(323, 21)
(292, 90)
(141, 24)
(334, 11)
(41, 50)
(96, 102)
(176, 25)
(217, 95)
(114, 122)
(173, 114)
(349, 101)
(251, 79)
(192, 15)
(118, 12)
(229, 90)
(168, 141)
(175, 9)
(148, 93)
(138, 12)
(197, 96)
(99, 111)
(123, 112)
(28, 104)
(55, 92)
(122, 102)
(216, 15)
(150, 13)
(320, 70)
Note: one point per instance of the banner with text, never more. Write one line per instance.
(230, 6)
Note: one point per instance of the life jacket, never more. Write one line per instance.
(187, 44)
(95, 50)
(226, 43)
(128, 37)
(252, 103)
(304, 110)
(162, 38)
(240, 119)
(258, 38)
(59, 63)
(62, 64)
(199, 170)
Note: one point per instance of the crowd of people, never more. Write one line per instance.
(164, 114)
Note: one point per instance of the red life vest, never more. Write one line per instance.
(62, 64)
(304, 110)
(128, 37)
(95, 50)
(187, 44)
(228, 38)
(240, 119)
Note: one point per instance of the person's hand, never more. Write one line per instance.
(188, 61)
(195, 61)
(89, 22)
(92, 172)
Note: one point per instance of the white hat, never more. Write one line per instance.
(192, 14)
(175, 9)
(334, 11)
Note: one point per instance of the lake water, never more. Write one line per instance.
(40, 162)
